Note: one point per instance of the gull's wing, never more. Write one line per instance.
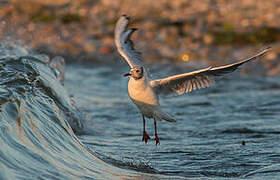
(124, 44)
(183, 83)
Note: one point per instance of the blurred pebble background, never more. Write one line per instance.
(207, 32)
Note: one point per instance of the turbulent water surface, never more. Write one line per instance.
(229, 130)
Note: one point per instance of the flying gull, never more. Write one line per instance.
(145, 92)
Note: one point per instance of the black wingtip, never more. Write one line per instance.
(126, 16)
(268, 48)
(134, 29)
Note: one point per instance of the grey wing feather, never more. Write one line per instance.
(191, 81)
(124, 44)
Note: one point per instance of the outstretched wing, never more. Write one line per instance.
(187, 82)
(124, 44)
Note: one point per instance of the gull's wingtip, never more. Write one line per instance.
(267, 48)
(121, 25)
(126, 16)
(134, 29)
(264, 51)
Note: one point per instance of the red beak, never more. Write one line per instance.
(127, 74)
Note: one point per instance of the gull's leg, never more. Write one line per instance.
(146, 137)
(156, 136)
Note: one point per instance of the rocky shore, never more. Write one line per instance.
(206, 32)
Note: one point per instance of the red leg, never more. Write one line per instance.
(146, 137)
(156, 136)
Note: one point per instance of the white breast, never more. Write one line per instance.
(143, 96)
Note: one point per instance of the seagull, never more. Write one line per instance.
(144, 92)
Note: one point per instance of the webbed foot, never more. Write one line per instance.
(146, 137)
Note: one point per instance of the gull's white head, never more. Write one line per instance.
(136, 72)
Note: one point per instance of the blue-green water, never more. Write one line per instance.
(38, 116)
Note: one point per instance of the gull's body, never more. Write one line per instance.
(145, 93)
(143, 96)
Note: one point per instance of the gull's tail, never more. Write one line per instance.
(163, 116)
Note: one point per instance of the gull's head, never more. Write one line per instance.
(136, 72)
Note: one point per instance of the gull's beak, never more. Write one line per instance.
(127, 74)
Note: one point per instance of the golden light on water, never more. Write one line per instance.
(185, 57)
